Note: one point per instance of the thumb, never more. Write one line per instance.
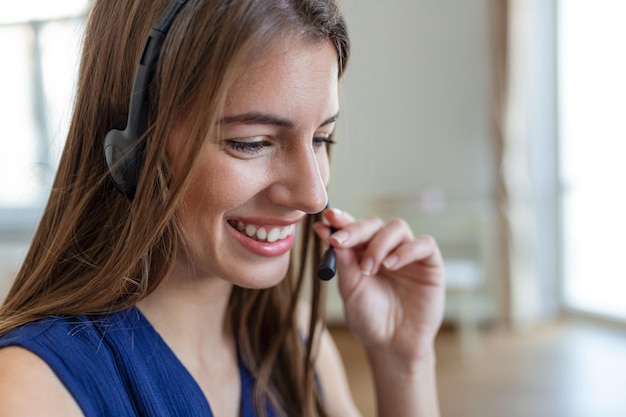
(348, 271)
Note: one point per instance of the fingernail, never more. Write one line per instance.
(340, 213)
(340, 236)
(336, 211)
(317, 228)
(390, 261)
(366, 266)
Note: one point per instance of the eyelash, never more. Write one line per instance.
(320, 140)
(252, 148)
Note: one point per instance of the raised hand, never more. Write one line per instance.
(391, 283)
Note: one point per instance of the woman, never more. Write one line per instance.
(180, 294)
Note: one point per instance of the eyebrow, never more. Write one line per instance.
(258, 118)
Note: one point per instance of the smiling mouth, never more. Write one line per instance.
(268, 234)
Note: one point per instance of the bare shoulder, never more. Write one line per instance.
(29, 387)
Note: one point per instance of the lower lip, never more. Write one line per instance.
(269, 249)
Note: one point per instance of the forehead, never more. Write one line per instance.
(290, 77)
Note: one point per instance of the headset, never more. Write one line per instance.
(123, 147)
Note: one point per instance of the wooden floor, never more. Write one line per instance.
(571, 368)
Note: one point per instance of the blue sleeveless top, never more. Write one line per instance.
(118, 365)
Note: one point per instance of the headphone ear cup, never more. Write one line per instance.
(122, 153)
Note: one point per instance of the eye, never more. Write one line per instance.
(248, 148)
(321, 140)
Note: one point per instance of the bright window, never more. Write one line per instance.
(39, 45)
(592, 77)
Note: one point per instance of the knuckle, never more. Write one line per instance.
(379, 221)
(375, 221)
(399, 223)
(427, 239)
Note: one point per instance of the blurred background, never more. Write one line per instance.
(496, 126)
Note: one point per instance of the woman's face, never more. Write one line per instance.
(268, 169)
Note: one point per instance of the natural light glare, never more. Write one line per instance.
(31, 10)
(60, 57)
(37, 104)
(592, 78)
(18, 137)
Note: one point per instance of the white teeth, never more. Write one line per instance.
(262, 233)
(284, 232)
(273, 235)
(250, 230)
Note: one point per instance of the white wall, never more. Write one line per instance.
(415, 108)
(415, 116)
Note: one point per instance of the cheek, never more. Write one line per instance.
(198, 196)
(220, 183)
(206, 191)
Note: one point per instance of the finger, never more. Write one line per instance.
(322, 230)
(338, 218)
(349, 273)
(333, 219)
(356, 233)
(386, 240)
(423, 249)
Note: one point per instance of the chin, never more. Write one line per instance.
(260, 276)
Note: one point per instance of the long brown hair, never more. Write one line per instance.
(94, 252)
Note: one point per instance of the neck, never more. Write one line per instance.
(190, 313)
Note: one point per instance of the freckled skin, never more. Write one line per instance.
(297, 81)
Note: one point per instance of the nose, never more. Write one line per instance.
(301, 180)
